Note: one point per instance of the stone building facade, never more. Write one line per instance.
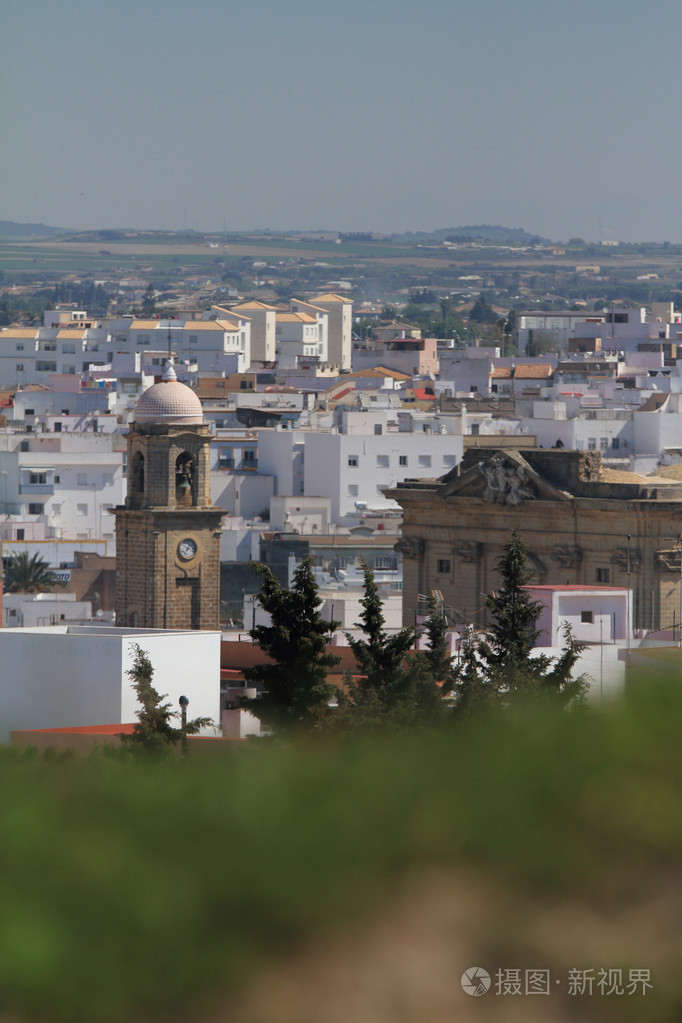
(168, 562)
(581, 523)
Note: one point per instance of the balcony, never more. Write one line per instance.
(36, 488)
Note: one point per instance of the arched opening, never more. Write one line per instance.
(185, 480)
(137, 480)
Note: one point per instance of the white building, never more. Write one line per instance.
(263, 337)
(61, 676)
(596, 614)
(301, 339)
(68, 481)
(339, 328)
(353, 468)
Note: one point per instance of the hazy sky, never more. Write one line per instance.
(376, 115)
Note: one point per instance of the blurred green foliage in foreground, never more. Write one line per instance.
(134, 890)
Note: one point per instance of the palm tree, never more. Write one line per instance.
(24, 574)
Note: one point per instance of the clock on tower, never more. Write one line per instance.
(168, 532)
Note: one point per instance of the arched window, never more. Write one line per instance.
(185, 480)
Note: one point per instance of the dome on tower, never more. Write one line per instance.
(169, 402)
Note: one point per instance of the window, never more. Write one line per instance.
(20, 367)
(81, 509)
(378, 429)
(23, 446)
(443, 566)
(57, 427)
(30, 411)
(615, 443)
(591, 443)
(402, 459)
(20, 348)
(193, 338)
(424, 460)
(383, 461)
(603, 443)
(586, 617)
(82, 479)
(38, 477)
(353, 461)
(448, 459)
(20, 534)
(226, 458)
(35, 509)
(353, 490)
(57, 479)
(69, 349)
(108, 479)
(603, 575)
(46, 367)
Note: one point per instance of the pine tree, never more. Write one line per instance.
(295, 693)
(154, 732)
(501, 667)
(437, 656)
(513, 633)
(474, 692)
(387, 685)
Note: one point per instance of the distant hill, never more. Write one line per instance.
(477, 232)
(10, 229)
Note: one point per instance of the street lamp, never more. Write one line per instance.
(184, 704)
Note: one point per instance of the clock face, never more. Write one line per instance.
(187, 549)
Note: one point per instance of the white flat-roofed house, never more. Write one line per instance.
(300, 340)
(63, 676)
(596, 614)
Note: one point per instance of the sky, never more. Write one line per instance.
(368, 115)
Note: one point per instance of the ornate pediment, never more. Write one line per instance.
(501, 477)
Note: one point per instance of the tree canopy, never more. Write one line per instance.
(501, 667)
(295, 693)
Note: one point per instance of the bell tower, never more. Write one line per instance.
(168, 532)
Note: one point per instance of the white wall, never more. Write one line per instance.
(70, 676)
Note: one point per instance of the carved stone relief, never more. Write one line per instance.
(467, 550)
(410, 547)
(567, 555)
(619, 556)
(506, 484)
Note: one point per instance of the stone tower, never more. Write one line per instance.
(168, 532)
